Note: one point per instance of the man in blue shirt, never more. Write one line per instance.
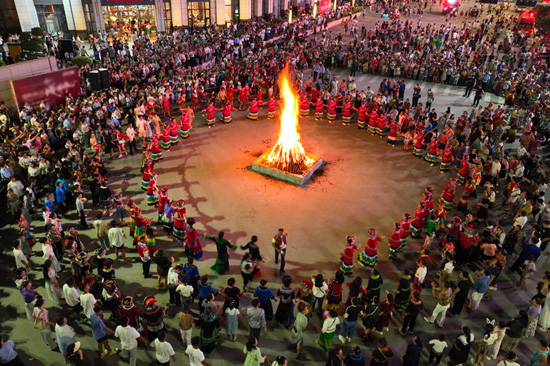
(99, 331)
(60, 197)
(49, 203)
(8, 354)
(481, 285)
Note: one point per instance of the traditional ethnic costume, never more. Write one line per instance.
(226, 113)
(271, 108)
(448, 195)
(418, 145)
(361, 116)
(193, 247)
(405, 230)
(165, 140)
(150, 235)
(210, 115)
(168, 218)
(464, 171)
(446, 160)
(253, 110)
(331, 112)
(131, 211)
(304, 106)
(184, 126)
(174, 132)
(346, 114)
(319, 109)
(373, 119)
(156, 152)
(346, 261)
(369, 256)
(419, 221)
(179, 222)
(394, 130)
(403, 293)
(146, 177)
(334, 294)
(152, 194)
(465, 197)
(432, 152)
(163, 200)
(222, 260)
(395, 242)
(139, 231)
(380, 125)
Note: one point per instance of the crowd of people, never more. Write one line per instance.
(53, 165)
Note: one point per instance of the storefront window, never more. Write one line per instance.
(52, 19)
(125, 20)
(232, 11)
(168, 15)
(199, 13)
(91, 26)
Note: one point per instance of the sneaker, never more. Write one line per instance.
(427, 319)
(113, 351)
(342, 339)
(120, 156)
(103, 354)
(348, 339)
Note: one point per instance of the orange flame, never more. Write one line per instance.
(288, 153)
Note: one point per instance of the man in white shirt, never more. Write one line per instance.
(72, 296)
(116, 236)
(87, 301)
(520, 220)
(128, 339)
(163, 349)
(16, 186)
(196, 356)
(185, 291)
(173, 282)
(20, 260)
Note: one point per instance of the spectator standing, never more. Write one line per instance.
(253, 354)
(102, 232)
(99, 332)
(8, 354)
(163, 350)
(128, 339)
(196, 356)
(438, 346)
(42, 323)
(256, 319)
(64, 334)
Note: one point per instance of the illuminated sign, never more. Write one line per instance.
(52, 87)
(324, 6)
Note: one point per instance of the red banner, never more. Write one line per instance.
(52, 87)
(324, 6)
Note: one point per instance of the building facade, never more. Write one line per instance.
(120, 17)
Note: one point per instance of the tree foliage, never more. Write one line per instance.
(32, 44)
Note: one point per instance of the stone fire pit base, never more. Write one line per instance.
(259, 166)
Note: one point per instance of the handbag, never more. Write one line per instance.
(39, 323)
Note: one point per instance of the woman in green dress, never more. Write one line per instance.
(300, 323)
(222, 260)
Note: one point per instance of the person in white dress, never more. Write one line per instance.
(50, 280)
(48, 253)
(544, 318)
